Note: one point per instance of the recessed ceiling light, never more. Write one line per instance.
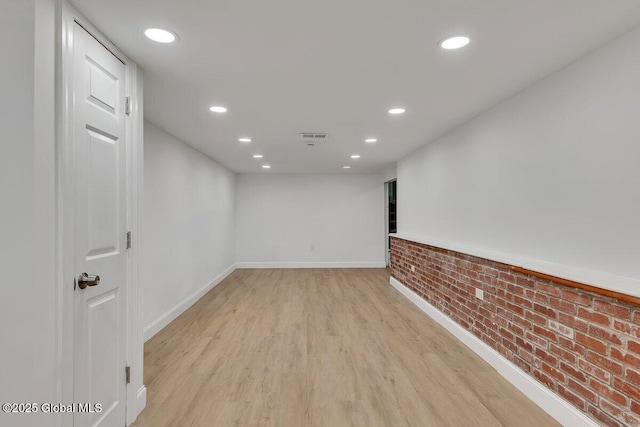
(218, 109)
(455, 42)
(371, 140)
(397, 111)
(161, 36)
(266, 167)
(346, 167)
(257, 156)
(244, 139)
(355, 156)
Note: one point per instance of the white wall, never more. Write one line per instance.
(279, 217)
(28, 306)
(188, 226)
(391, 173)
(549, 179)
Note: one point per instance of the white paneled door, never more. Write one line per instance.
(100, 233)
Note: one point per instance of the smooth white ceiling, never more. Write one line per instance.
(288, 66)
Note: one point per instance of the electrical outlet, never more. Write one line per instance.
(413, 268)
(479, 294)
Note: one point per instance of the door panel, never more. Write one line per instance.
(102, 321)
(103, 197)
(102, 86)
(100, 194)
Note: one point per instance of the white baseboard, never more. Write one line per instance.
(156, 326)
(352, 264)
(141, 400)
(561, 410)
(139, 403)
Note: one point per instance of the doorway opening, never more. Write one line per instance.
(390, 209)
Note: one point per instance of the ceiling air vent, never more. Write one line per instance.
(312, 138)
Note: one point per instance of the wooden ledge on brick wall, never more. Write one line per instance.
(570, 283)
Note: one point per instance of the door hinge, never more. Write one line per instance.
(127, 106)
(127, 374)
(128, 240)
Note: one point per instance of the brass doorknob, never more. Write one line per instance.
(85, 280)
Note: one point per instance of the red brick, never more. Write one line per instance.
(626, 388)
(524, 344)
(525, 282)
(529, 358)
(613, 309)
(576, 297)
(499, 320)
(617, 413)
(496, 300)
(563, 305)
(485, 313)
(515, 308)
(605, 419)
(577, 401)
(635, 407)
(633, 345)
(571, 345)
(490, 271)
(575, 373)
(604, 363)
(594, 370)
(563, 353)
(535, 339)
(545, 333)
(608, 392)
(544, 379)
(627, 358)
(537, 297)
(517, 330)
(558, 327)
(581, 390)
(475, 266)
(534, 317)
(546, 356)
(598, 332)
(522, 364)
(510, 346)
(553, 372)
(626, 327)
(633, 376)
(514, 289)
(507, 277)
(546, 311)
(523, 302)
(593, 343)
(573, 322)
(593, 317)
(506, 334)
(527, 325)
(548, 289)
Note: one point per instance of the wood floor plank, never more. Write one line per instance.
(318, 347)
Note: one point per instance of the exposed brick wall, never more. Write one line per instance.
(583, 346)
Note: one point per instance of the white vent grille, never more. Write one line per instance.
(313, 135)
(312, 138)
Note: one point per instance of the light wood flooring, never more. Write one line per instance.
(320, 348)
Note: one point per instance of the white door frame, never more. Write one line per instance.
(66, 16)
